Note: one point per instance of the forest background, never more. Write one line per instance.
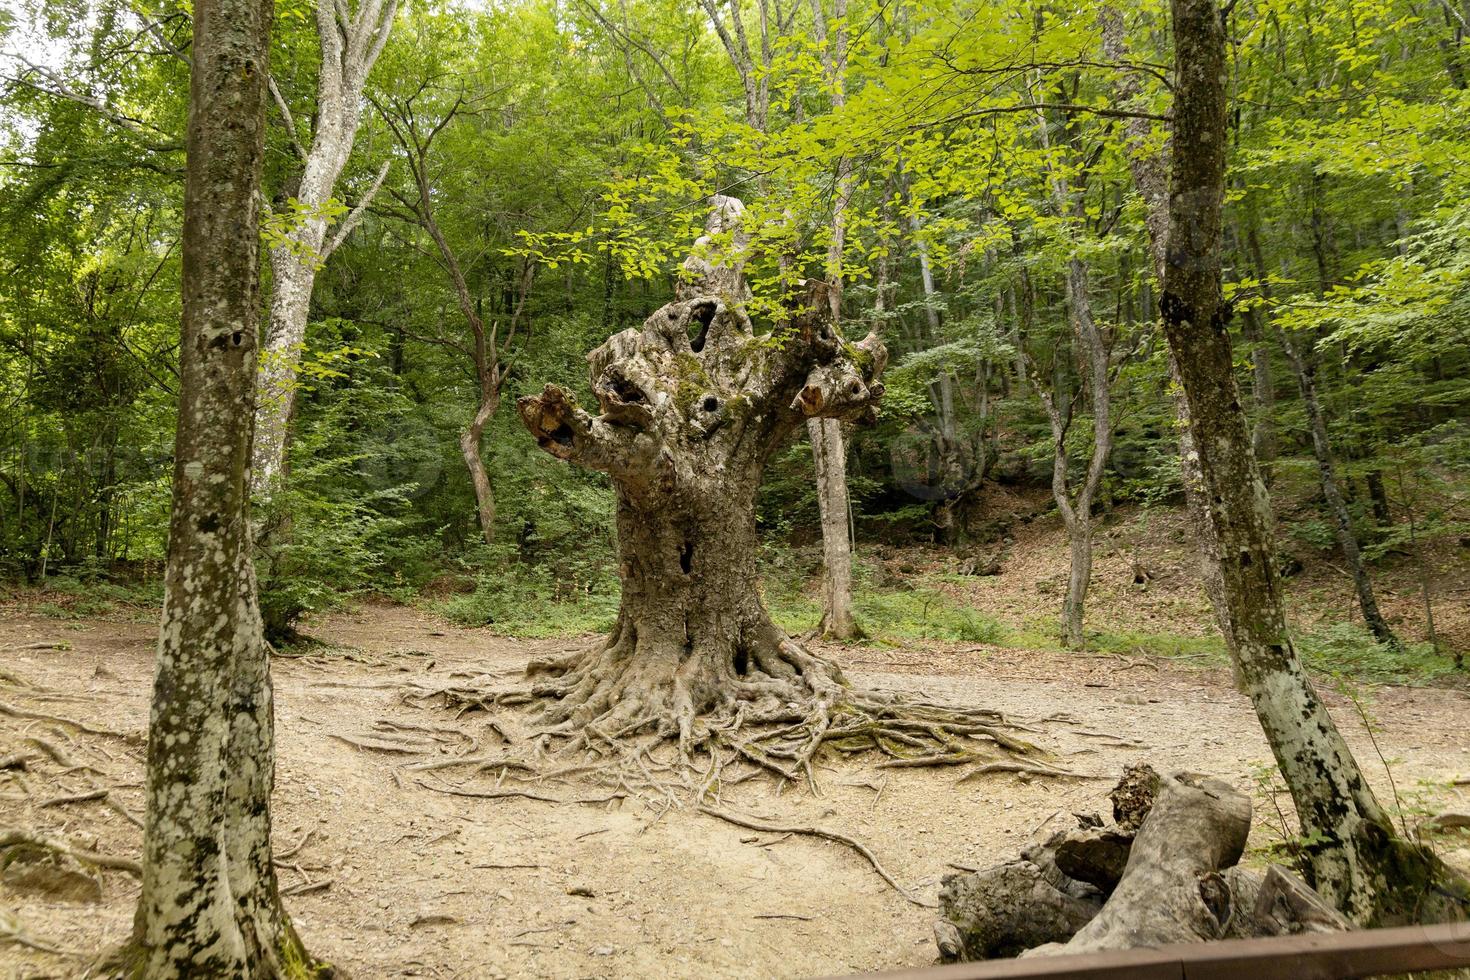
(520, 180)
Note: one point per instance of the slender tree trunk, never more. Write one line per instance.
(469, 447)
(209, 905)
(948, 450)
(830, 458)
(291, 284)
(1263, 395)
(1079, 577)
(1378, 496)
(1355, 859)
(1303, 365)
(349, 48)
(1077, 514)
(829, 454)
(1151, 179)
(485, 340)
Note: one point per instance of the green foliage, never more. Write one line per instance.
(516, 598)
(1349, 651)
(583, 142)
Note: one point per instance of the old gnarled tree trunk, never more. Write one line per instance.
(693, 403)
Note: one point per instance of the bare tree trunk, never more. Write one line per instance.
(349, 48)
(1151, 180)
(1303, 365)
(1263, 394)
(829, 454)
(950, 468)
(469, 447)
(1079, 577)
(210, 906)
(486, 344)
(1355, 859)
(830, 458)
(1077, 513)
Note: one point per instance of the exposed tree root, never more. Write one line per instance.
(131, 738)
(752, 824)
(13, 838)
(677, 728)
(786, 706)
(500, 794)
(10, 931)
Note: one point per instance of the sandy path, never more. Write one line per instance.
(677, 894)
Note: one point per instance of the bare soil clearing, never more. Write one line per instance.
(419, 883)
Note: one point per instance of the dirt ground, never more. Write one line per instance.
(395, 880)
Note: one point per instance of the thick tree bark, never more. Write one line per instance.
(693, 403)
(1355, 859)
(1171, 890)
(349, 48)
(210, 905)
(1164, 873)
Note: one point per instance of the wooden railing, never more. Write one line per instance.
(1315, 956)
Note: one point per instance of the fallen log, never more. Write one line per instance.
(1172, 890)
(1164, 872)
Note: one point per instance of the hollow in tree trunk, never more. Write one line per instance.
(693, 404)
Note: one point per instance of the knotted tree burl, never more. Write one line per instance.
(693, 403)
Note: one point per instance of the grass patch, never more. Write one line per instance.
(1203, 651)
(524, 604)
(889, 616)
(1350, 651)
(70, 597)
(526, 601)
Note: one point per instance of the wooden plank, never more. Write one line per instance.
(1317, 956)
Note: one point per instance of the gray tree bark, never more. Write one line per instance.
(1164, 872)
(209, 905)
(829, 451)
(350, 42)
(1076, 510)
(1355, 859)
(1149, 171)
(692, 405)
